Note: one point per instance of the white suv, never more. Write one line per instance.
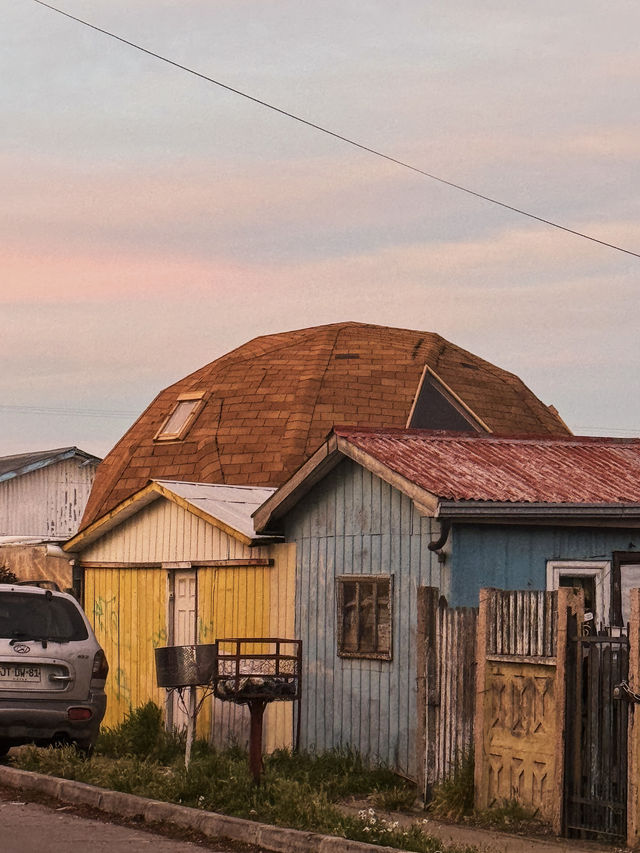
(52, 670)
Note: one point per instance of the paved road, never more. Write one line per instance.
(33, 828)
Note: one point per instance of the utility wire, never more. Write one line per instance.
(339, 136)
(51, 410)
(111, 413)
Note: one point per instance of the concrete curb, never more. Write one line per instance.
(210, 824)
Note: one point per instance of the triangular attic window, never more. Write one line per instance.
(436, 406)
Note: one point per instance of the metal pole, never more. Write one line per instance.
(191, 724)
(256, 707)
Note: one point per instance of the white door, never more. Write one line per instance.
(184, 608)
(184, 630)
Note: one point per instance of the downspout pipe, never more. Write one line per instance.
(441, 541)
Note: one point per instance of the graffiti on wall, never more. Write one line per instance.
(106, 615)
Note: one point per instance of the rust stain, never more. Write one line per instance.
(571, 469)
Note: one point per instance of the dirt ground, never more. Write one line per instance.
(486, 840)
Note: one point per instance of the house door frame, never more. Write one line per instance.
(180, 632)
(599, 571)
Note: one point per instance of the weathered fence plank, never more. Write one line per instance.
(521, 623)
(447, 665)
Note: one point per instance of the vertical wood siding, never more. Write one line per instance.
(128, 612)
(128, 607)
(48, 502)
(354, 523)
(248, 601)
(165, 533)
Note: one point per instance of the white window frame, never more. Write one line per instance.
(598, 569)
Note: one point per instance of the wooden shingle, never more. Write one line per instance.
(271, 402)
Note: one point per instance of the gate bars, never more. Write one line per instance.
(557, 725)
(596, 738)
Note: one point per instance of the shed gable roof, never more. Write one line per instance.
(228, 507)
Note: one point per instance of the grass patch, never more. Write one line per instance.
(297, 790)
(512, 816)
(453, 798)
(141, 734)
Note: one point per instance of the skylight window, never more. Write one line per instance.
(180, 418)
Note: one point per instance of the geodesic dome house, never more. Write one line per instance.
(254, 415)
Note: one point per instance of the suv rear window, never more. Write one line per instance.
(25, 616)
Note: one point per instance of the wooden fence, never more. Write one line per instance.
(519, 725)
(446, 686)
(521, 623)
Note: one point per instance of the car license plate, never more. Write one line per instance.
(15, 673)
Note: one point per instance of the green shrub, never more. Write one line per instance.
(141, 733)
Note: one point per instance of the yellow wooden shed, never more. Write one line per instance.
(180, 563)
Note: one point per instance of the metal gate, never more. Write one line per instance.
(595, 804)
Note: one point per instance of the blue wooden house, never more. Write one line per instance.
(376, 514)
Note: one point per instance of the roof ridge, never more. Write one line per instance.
(56, 451)
(504, 438)
(209, 485)
(309, 331)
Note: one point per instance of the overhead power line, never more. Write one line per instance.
(609, 431)
(52, 410)
(339, 136)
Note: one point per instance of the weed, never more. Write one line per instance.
(141, 733)
(453, 798)
(377, 830)
(401, 797)
(297, 790)
(511, 816)
(340, 772)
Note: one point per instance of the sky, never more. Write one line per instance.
(152, 220)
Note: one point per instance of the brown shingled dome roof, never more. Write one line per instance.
(267, 405)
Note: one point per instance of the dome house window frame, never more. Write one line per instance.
(182, 415)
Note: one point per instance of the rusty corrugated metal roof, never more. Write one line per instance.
(451, 466)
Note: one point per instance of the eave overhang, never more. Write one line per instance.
(325, 459)
(134, 504)
(487, 512)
